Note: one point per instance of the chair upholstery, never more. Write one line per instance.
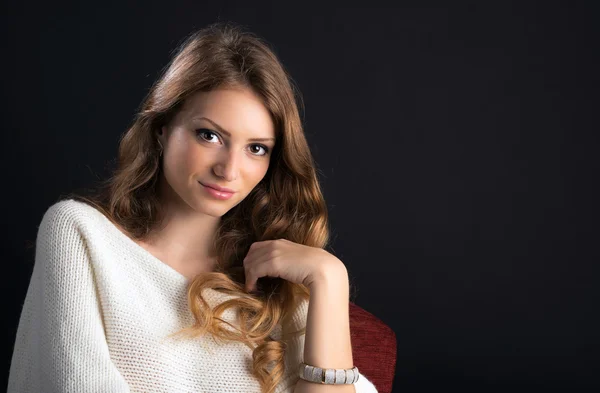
(373, 348)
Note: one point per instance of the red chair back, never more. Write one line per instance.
(373, 348)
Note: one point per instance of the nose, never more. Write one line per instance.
(227, 166)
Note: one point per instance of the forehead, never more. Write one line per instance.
(236, 110)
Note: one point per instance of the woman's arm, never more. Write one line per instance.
(327, 342)
(60, 344)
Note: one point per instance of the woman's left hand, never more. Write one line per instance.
(291, 261)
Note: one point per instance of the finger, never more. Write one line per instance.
(260, 245)
(250, 283)
(259, 255)
(249, 261)
(257, 250)
(260, 269)
(250, 274)
(251, 278)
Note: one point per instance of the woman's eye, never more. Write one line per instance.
(265, 148)
(203, 131)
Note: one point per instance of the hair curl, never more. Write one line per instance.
(287, 203)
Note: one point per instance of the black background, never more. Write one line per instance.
(456, 142)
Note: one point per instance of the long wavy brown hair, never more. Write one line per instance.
(287, 203)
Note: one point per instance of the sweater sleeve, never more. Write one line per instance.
(294, 355)
(60, 344)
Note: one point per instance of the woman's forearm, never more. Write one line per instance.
(327, 341)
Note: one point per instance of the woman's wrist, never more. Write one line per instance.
(332, 275)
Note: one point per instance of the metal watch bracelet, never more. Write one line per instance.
(328, 376)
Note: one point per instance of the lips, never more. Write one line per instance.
(216, 187)
(217, 194)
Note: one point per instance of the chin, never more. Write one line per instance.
(215, 208)
(212, 211)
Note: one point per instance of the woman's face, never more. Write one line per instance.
(222, 138)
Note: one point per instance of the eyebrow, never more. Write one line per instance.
(221, 129)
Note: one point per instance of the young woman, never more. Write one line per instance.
(199, 266)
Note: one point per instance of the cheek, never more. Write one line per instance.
(192, 157)
(258, 172)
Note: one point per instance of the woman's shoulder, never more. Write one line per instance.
(67, 214)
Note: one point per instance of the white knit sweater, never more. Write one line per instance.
(97, 312)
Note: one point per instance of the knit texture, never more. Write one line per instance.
(99, 308)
